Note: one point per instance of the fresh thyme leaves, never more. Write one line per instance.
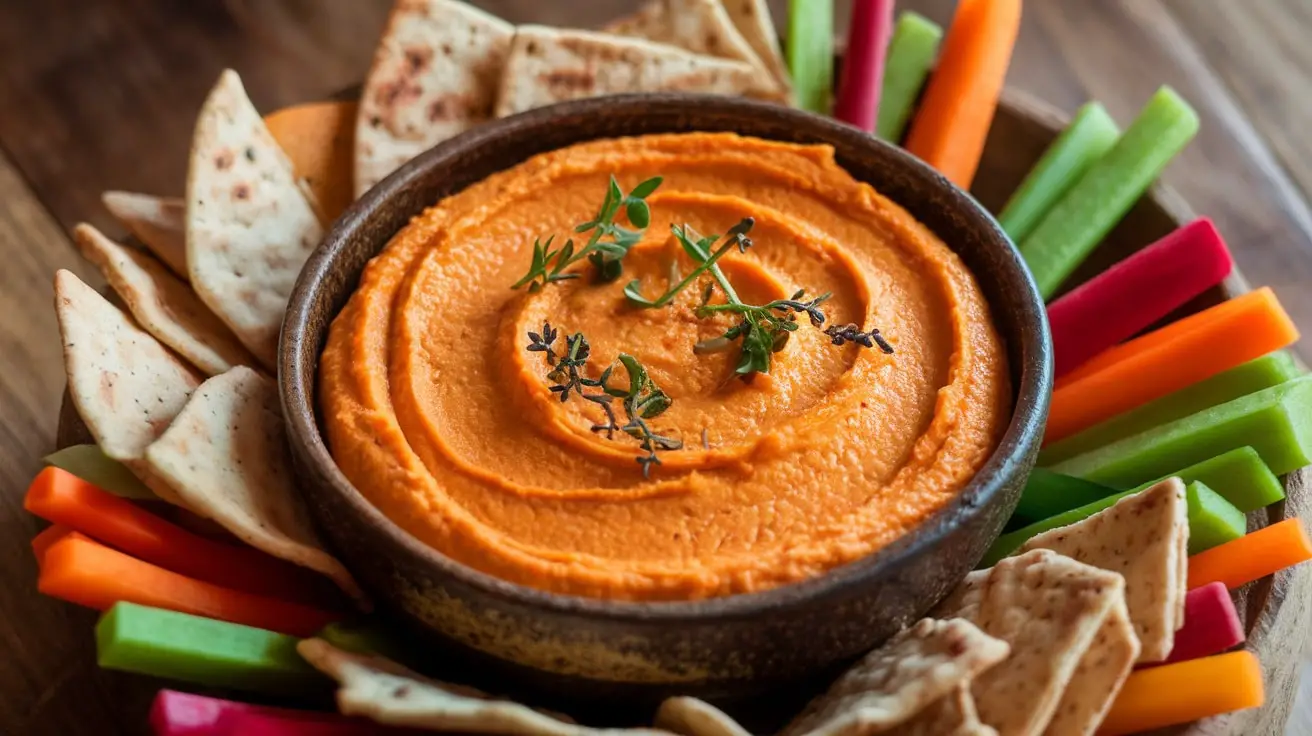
(699, 250)
(607, 245)
(641, 400)
(841, 334)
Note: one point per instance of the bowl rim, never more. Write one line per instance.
(1024, 430)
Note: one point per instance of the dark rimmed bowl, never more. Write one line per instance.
(528, 640)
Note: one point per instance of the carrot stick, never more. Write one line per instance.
(1252, 556)
(1184, 692)
(1174, 357)
(48, 536)
(62, 498)
(89, 574)
(948, 132)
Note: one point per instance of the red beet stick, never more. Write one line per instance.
(863, 63)
(1137, 292)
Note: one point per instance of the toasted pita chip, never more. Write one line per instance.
(1098, 677)
(388, 693)
(1048, 608)
(1140, 538)
(225, 455)
(963, 601)
(160, 223)
(753, 20)
(550, 65)
(165, 306)
(895, 682)
(250, 228)
(699, 26)
(126, 386)
(952, 715)
(693, 717)
(434, 76)
(319, 138)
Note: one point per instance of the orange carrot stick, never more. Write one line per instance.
(89, 574)
(1185, 691)
(1252, 556)
(62, 498)
(948, 132)
(1166, 360)
(48, 536)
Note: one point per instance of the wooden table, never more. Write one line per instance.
(98, 94)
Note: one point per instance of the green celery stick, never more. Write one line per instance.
(1255, 375)
(810, 53)
(362, 638)
(91, 465)
(1048, 494)
(1074, 226)
(911, 54)
(1091, 134)
(178, 646)
(1238, 475)
(1212, 519)
(1277, 422)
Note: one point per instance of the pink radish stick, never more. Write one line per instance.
(1211, 624)
(863, 64)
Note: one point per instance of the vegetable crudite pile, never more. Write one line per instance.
(1105, 607)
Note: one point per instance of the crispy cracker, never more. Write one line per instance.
(250, 227)
(434, 76)
(754, 22)
(888, 686)
(1140, 538)
(319, 139)
(126, 386)
(963, 601)
(162, 304)
(1049, 608)
(225, 455)
(951, 715)
(160, 223)
(1098, 677)
(693, 717)
(702, 27)
(384, 691)
(550, 65)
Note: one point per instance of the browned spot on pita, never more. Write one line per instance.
(241, 191)
(417, 58)
(223, 160)
(571, 81)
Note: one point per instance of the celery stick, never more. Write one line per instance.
(910, 55)
(1091, 134)
(93, 466)
(178, 646)
(810, 53)
(1277, 422)
(1212, 519)
(1047, 494)
(1255, 375)
(362, 638)
(1074, 226)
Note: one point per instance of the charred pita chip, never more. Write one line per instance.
(1098, 677)
(250, 227)
(161, 303)
(693, 717)
(887, 687)
(319, 138)
(699, 26)
(1140, 538)
(753, 20)
(158, 222)
(386, 692)
(434, 76)
(1049, 608)
(550, 65)
(126, 386)
(225, 455)
(951, 715)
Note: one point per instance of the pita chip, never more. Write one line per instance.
(693, 717)
(890, 685)
(158, 222)
(434, 76)
(387, 693)
(1142, 537)
(163, 304)
(126, 386)
(1098, 677)
(754, 22)
(952, 715)
(250, 227)
(963, 601)
(225, 455)
(550, 65)
(319, 139)
(702, 27)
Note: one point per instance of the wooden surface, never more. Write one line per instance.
(98, 94)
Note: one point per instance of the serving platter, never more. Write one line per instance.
(1275, 610)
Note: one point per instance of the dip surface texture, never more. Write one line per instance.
(438, 414)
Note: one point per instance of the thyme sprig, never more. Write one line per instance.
(641, 399)
(843, 334)
(606, 246)
(763, 329)
(699, 250)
